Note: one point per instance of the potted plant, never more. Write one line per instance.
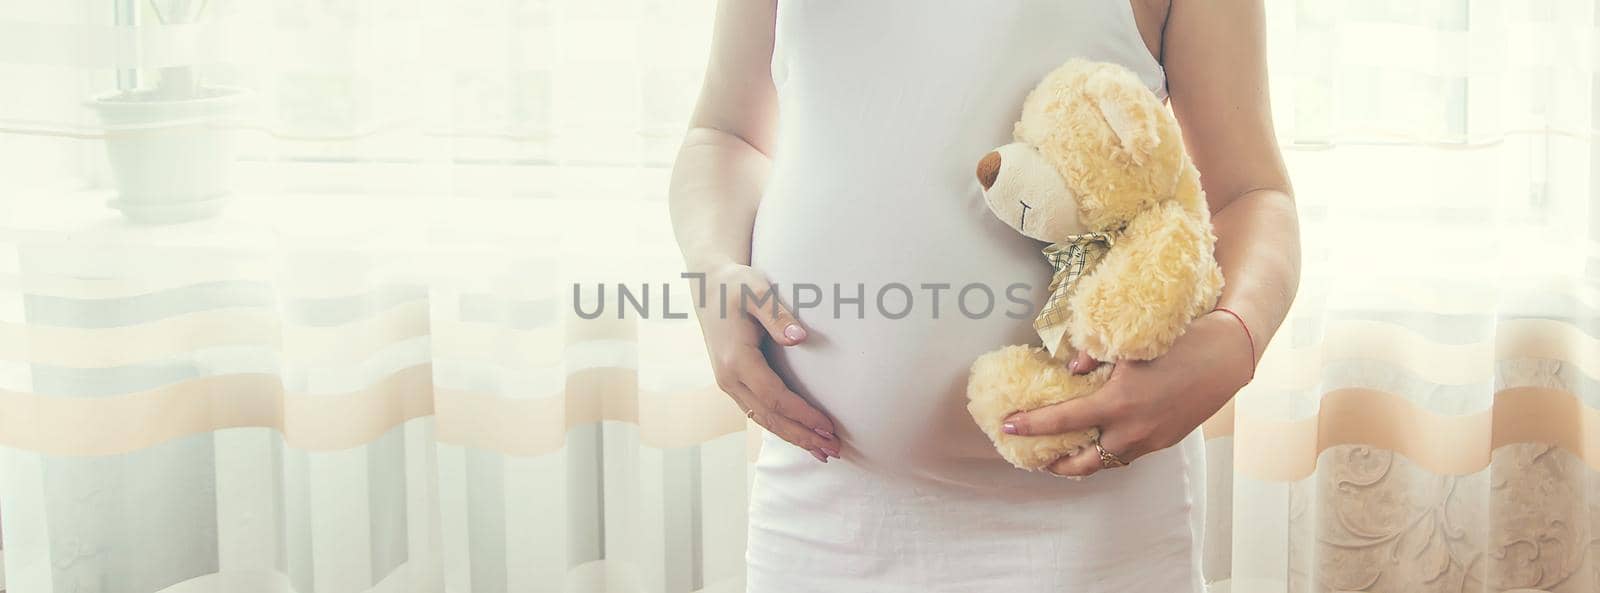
(168, 148)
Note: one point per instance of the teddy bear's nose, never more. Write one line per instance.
(989, 169)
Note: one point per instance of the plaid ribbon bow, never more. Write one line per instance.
(1070, 258)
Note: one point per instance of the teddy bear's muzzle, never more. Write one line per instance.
(989, 169)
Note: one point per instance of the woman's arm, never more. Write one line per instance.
(716, 187)
(1217, 79)
(1215, 61)
(722, 165)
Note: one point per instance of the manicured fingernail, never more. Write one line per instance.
(1008, 428)
(832, 452)
(794, 332)
(819, 456)
(825, 434)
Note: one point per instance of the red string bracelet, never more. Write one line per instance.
(1247, 336)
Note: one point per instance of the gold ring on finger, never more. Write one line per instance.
(1107, 458)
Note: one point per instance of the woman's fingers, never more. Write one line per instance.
(761, 302)
(1087, 461)
(771, 392)
(798, 435)
(743, 371)
(772, 405)
(776, 423)
(1082, 364)
(1096, 409)
(1084, 464)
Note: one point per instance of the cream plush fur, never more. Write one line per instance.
(1096, 151)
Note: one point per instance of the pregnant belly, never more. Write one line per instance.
(898, 305)
(898, 403)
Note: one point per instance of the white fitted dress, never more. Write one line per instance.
(885, 107)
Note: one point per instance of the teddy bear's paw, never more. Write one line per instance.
(1008, 380)
(1022, 378)
(1035, 453)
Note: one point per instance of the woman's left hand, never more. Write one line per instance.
(1146, 406)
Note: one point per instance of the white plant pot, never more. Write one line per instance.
(170, 158)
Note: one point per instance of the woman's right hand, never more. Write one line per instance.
(733, 328)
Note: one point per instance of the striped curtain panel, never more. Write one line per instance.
(277, 419)
(1426, 421)
(437, 339)
(369, 373)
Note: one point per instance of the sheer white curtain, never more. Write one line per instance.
(1425, 422)
(368, 373)
(365, 374)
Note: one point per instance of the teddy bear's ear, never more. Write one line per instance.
(1132, 111)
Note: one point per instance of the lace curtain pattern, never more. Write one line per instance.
(1425, 420)
(369, 374)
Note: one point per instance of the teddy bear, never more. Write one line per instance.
(1097, 170)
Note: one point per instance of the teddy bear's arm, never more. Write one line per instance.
(1159, 276)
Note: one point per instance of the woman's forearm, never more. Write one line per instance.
(716, 187)
(1258, 248)
(1216, 66)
